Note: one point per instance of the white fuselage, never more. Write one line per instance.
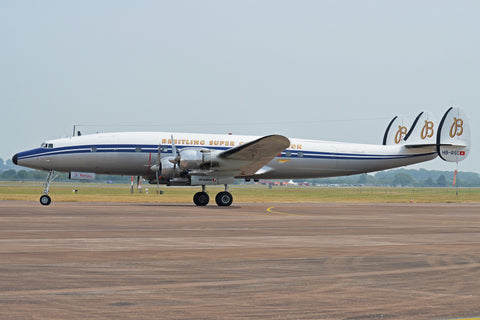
(133, 153)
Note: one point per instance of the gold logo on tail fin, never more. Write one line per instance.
(457, 127)
(402, 131)
(427, 130)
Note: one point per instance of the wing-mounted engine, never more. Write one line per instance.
(167, 169)
(168, 172)
(176, 168)
(194, 159)
(188, 161)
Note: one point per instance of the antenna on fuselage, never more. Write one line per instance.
(77, 132)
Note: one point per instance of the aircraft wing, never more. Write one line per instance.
(256, 153)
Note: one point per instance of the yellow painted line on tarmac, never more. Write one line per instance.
(283, 213)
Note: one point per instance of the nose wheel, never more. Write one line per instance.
(45, 200)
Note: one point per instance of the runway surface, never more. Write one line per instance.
(248, 261)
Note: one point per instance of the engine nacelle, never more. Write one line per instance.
(192, 158)
(167, 169)
(175, 170)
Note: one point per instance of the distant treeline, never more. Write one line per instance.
(396, 177)
(407, 178)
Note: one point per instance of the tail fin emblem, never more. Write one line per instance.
(457, 127)
(402, 131)
(427, 130)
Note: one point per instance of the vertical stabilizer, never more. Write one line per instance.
(396, 130)
(423, 131)
(453, 136)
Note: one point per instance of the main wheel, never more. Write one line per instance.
(224, 199)
(45, 200)
(201, 198)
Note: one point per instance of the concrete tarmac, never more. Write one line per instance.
(248, 261)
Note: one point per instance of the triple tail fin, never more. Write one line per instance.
(450, 137)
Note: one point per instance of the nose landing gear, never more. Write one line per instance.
(45, 199)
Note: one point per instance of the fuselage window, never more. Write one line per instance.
(164, 149)
(50, 146)
(300, 154)
(288, 153)
(138, 149)
(94, 149)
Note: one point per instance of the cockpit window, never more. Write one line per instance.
(47, 145)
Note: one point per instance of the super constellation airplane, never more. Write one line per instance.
(188, 159)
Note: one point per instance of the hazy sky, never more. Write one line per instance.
(329, 70)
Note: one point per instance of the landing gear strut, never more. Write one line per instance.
(45, 199)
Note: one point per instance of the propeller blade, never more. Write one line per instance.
(176, 159)
(159, 164)
(159, 155)
(174, 149)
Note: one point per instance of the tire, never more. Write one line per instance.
(224, 199)
(201, 199)
(45, 200)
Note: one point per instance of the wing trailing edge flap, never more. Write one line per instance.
(257, 153)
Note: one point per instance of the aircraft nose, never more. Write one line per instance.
(15, 159)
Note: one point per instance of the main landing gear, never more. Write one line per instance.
(45, 199)
(201, 198)
(223, 199)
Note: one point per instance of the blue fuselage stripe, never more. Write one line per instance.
(130, 148)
